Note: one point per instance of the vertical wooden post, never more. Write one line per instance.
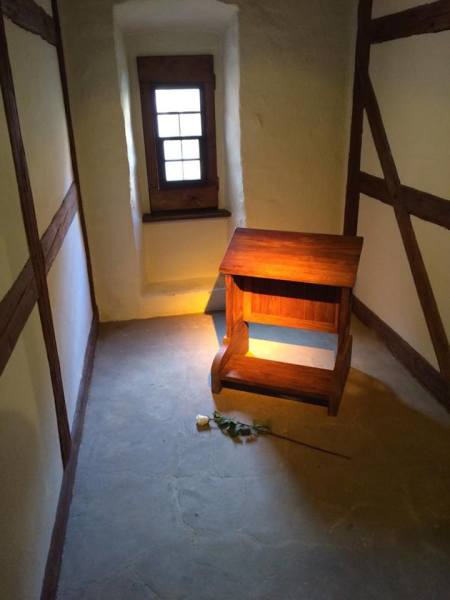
(362, 55)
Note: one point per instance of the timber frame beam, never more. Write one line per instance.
(406, 201)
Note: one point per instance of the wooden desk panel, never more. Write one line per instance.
(291, 304)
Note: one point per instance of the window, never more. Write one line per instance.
(177, 96)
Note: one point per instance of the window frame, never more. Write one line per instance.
(159, 72)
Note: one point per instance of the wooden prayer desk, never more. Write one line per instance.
(289, 279)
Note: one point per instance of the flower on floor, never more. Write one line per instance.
(235, 428)
(202, 420)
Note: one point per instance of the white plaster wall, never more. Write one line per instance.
(72, 312)
(294, 72)
(30, 466)
(411, 78)
(30, 459)
(35, 69)
(13, 243)
(232, 125)
(89, 40)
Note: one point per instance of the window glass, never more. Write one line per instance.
(191, 149)
(191, 169)
(190, 124)
(174, 171)
(172, 150)
(168, 126)
(177, 100)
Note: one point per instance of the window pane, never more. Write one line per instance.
(191, 169)
(191, 149)
(172, 149)
(168, 126)
(174, 171)
(191, 125)
(180, 100)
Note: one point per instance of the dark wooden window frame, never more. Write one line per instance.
(179, 200)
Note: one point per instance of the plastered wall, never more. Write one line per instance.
(411, 78)
(295, 62)
(294, 74)
(30, 459)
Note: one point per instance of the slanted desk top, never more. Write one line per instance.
(289, 256)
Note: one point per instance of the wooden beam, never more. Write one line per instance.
(30, 16)
(56, 232)
(33, 241)
(73, 154)
(426, 18)
(15, 308)
(54, 558)
(418, 366)
(418, 270)
(354, 159)
(419, 204)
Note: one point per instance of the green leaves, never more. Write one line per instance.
(235, 428)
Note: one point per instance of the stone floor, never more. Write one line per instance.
(163, 511)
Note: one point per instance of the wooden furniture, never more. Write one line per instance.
(289, 279)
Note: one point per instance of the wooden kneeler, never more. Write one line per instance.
(293, 280)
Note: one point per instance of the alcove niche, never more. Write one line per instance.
(179, 259)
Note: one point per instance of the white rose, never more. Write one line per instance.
(202, 420)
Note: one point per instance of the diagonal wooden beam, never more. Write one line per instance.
(33, 241)
(362, 54)
(426, 18)
(418, 269)
(419, 204)
(30, 16)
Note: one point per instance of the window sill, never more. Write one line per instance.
(183, 215)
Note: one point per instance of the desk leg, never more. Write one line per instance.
(344, 315)
(234, 303)
(237, 344)
(340, 374)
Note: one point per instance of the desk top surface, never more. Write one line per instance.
(303, 257)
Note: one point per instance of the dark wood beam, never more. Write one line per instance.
(426, 18)
(30, 16)
(15, 308)
(73, 154)
(418, 366)
(33, 241)
(59, 226)
(417, 266)
(354, 159)
(419, 204)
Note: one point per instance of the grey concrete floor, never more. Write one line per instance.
(163, 511)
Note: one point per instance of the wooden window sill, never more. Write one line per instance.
(183, 215)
